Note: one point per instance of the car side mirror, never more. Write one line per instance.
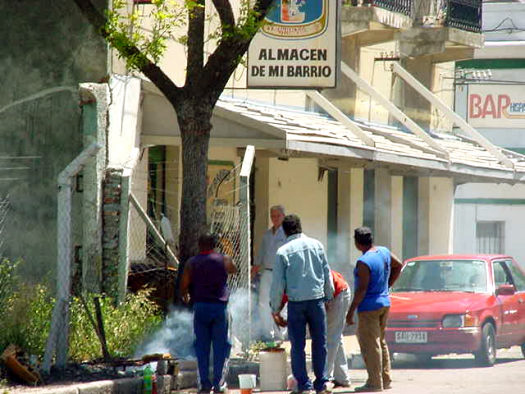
(505, 290)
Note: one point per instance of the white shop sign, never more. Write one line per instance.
(496, 106)
(297, 47)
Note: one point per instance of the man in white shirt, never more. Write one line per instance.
(272, 240)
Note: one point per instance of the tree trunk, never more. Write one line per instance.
(195, 127)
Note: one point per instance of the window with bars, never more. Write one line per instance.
(490, 237)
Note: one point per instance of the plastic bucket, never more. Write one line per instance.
(273, 370)
(247, 381)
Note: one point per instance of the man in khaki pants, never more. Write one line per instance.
(376, 270)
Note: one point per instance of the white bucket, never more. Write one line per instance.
(247, 381)
(273, 370)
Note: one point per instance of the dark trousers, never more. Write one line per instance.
(210, 324)
(313, 314)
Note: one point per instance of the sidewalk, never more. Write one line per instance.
(165, 382)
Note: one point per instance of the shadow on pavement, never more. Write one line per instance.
(445, 363)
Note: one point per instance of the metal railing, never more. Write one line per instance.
(402, 6)
(464, 14)
(460, 14)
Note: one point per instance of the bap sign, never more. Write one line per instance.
(296, 47)
(500, 106)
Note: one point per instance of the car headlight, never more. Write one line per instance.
(456, 321)
(453, 321)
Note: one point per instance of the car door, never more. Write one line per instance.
(509, 330)
(518, 277)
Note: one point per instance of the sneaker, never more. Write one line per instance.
(220, 390)
(367, 389)
(339, 384)
(387, 386)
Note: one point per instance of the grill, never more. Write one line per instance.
(413, 323)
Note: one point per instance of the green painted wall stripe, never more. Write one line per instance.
(491, 63)
(517, 150)
(221, 163)
(493, 201)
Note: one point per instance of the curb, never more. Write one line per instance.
(117, 386)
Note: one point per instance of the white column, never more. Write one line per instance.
(349, 216)
(397, 216)
(436, 215)
(383, 207)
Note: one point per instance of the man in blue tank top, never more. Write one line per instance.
(376, 271)
(204, 283)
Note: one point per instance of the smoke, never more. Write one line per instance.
(242, 322)
(176, 333)
(174, 337)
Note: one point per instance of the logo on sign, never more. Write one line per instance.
(495, 107)
(296, 19)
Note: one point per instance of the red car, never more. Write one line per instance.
(458, 304)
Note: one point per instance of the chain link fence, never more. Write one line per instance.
(4, 208)
(230, 220)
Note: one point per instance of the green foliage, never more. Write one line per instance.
(125, 325)
(149, 31)
(150, 28)
(7, 284)
(26, 316)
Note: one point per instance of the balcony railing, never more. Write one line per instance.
(402, 6)
(464, 14)
(461, 14)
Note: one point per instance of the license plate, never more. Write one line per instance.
(411, 337)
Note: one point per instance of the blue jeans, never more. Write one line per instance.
(313, 314)
(210, 324)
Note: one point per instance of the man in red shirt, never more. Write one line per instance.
(336, 309)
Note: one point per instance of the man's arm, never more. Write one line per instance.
(329, 288)
(363, 273)
(395, 269)
(231, 268)
(185, 283)
(278, 284)
(258, 259)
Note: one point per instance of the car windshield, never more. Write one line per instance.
(443, 275)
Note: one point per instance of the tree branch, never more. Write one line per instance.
(227, 56)
(224, 8)
(147, 67)
(195, 61)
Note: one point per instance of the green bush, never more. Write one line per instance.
(125, 325)
(25, 318)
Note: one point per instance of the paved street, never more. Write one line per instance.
(449, 374)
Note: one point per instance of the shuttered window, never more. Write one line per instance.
(490, 237)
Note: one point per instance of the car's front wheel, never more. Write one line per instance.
(486, 355)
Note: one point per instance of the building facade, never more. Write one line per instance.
(489, 94)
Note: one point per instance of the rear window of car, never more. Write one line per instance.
(443, 275)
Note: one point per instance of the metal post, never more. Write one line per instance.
(244, 197)
(59, 331)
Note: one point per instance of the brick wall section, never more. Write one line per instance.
(110, 231)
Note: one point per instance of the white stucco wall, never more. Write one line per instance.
(467, 215)
(124, 121)
(293, 183)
